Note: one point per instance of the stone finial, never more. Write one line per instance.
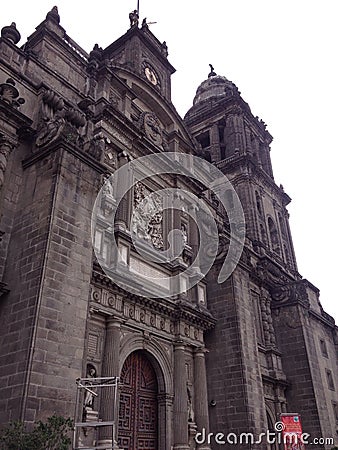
(11, 33)
(53, 15)
(10, 94)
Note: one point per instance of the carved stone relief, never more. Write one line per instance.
(152, 128)
(146, 317)
(147, 219)
(291, 292)
(56, 120)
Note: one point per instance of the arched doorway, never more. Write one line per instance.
(272, 429)
(138, 407)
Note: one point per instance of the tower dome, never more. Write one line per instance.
(216, 86)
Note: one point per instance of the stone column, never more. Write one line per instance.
(110, 368)
(165, 406)
(5, 149)
(201, 395)
(181, 438)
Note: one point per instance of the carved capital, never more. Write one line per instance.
(290, 293)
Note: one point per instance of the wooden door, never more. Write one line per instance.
(138, 408)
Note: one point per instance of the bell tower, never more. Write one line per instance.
(238, 143)
(140, 53)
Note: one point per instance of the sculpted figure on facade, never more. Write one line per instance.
(90, 393)
(147, 216)
(133, 18)
(51, 130)
(56, 119)
(152, 127)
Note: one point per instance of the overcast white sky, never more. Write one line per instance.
(282, 55)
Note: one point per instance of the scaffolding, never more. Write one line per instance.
(87, 418)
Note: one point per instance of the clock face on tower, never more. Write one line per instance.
(151, 76)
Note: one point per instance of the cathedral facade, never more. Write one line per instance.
(219, 357)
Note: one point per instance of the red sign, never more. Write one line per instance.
(292, 432)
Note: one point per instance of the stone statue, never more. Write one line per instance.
(164, 48)
(108, 189)
(90, 393)
(133, 17)
(184, 235)
(191, 415)
(212, 71)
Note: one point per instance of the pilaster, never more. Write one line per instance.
(201, 399)
(110, 368)
(181, 438)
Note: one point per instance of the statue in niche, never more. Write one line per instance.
(90, 393)
(184, 235)
(191, 414)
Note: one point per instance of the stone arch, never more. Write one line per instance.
(271, 420)
(156, 355)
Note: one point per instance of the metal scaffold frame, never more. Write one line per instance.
(94, 386)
